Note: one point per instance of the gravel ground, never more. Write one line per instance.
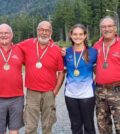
(62, 126)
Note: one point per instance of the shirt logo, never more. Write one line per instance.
(15, 57)
(116, 54)
(70, 58)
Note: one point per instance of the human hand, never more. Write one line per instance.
(63, 51)
(55, 92)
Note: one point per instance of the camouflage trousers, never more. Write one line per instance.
(107, 104)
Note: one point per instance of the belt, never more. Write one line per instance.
(110, 85)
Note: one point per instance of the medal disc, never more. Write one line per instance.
(38, 65)
(6, 67)
(105, 65)
(76, 72)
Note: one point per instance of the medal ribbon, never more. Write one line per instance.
(6, 59)
(44, 52)
(76, 63)
(105, 53)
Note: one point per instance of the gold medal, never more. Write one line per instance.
(76, 62)
(6, 66)
(38, 65)
(76, 72)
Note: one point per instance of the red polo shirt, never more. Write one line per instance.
(112, 73)
(11, 80)
(43, 79)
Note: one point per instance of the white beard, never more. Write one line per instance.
(43, 41)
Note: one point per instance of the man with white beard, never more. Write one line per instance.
(43, 78)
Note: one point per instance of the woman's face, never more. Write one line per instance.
(78, 36)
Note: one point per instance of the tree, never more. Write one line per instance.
(68, 13)
(63, 19)
(24, 26)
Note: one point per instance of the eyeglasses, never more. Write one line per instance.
(106, 26)
(4, 33)
(44, 30)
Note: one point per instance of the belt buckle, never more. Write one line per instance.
(116, 89)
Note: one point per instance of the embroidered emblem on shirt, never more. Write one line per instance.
(15, 57)
(116, 54)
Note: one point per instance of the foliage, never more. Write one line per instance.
(23, 25)
(67, 13)
(32, 7)
(62, 43)
(24, 16)
(86, 12)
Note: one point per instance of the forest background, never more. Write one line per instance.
(24, 16)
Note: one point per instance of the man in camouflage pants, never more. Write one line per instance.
(105, 98)
(108, 77)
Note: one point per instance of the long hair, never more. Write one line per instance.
(85, 53)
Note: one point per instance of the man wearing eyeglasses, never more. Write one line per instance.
(44, 77)
(11, 85)
(108, 77)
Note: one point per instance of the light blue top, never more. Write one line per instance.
(79, 86)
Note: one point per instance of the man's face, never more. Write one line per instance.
(5, 36)
(108, 28)
(44, 32)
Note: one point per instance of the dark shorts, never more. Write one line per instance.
(11, 113)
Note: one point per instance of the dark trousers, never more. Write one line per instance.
(81, 114)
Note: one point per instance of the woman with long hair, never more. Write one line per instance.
(79, 89)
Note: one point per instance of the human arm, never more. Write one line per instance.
(60, 79)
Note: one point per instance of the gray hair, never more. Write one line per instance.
(7, 26)
(45, 22)
(108, 17)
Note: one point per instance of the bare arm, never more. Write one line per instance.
(60, 80)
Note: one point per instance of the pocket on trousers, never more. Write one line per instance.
(52, 118)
